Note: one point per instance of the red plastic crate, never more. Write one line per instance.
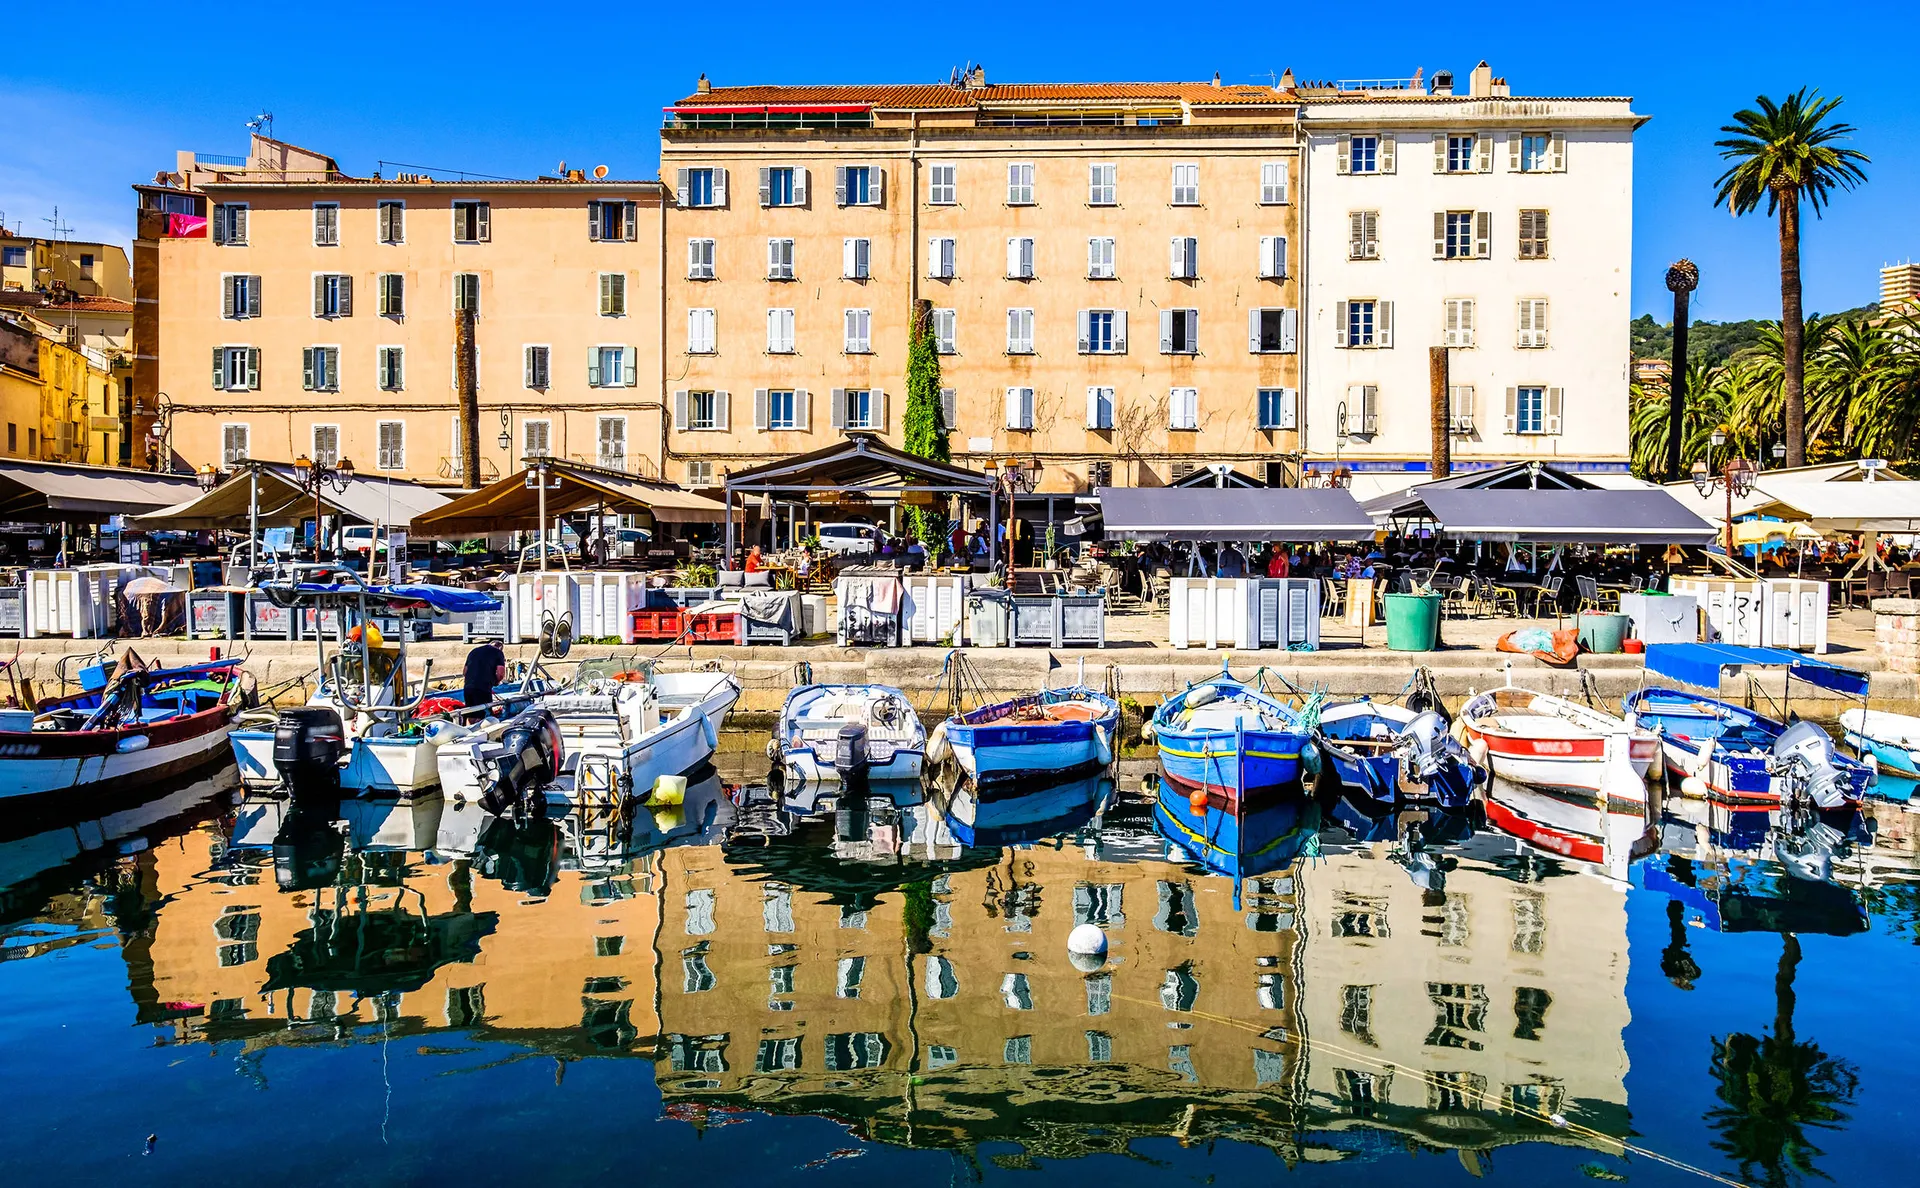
(723, 627)
(658, 626)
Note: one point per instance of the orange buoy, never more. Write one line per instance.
(1198, 800)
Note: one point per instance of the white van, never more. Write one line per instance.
(843, 539)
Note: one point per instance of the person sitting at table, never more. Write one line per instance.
(1233, 563)
(753, 560)
(916, 555)
(1279, 565)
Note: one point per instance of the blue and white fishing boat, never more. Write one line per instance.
(1044, 735)
(1228, 754)
(1729, 752)
(1390, 754)
(841, 732)
(1043, 811)
(1891, 740)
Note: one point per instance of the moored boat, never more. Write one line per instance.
(841, 732)
(1040, 811)
(1044, 735)
(1390, 754)
(1545, 741)
(1892, 740)
(1728, 752)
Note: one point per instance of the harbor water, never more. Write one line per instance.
(748, 989)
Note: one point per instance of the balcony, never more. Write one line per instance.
(717, 118)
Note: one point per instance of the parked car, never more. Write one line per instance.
(843, 539)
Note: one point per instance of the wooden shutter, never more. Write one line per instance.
(760, 404)
(680, 410)
(839, 185)
(1555, 409)
(1386, 154)
(1383, 323)
(593, 219)
(253, 296)
(346, 296)
(219, 369)
(1346, 154)
(630, 228)
(1557, 152)
(799, 191)
(1513, 151)
(384, 368)
(1439, 152)
(680, 187)
(1119, 331)
(606, 293)
(1253, 330)
(1439, 234)
(876, 185)
(526, 368)
(1289, 331)
(227, 298)
(483, 221)
(1357, 235)
(219, 222)
(319, 295)
(877, 406)
(1166, 332)
(1482, 152)
(949, 409)
(1482, 234)
(618, 292)
(1340, 324)
(722, 409)
(837, 408)
(306, 368)
(802, 409)
(1086, 319)
(766, 195)
(593, 367)
(1513, 410)
(253, 369)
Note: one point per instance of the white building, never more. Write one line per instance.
(1500, 227)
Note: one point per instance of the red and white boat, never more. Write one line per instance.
(1545, 741)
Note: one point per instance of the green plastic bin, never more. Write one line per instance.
(1413, 622)
(1603, 631)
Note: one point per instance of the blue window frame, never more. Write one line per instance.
(779, 187)
(1365, 156)
(1530, 410)
(1272, 407)
(1533, 154)
(859, 185)
(700, 187)
(779, 409)
(1360, 323)
(1100, 331)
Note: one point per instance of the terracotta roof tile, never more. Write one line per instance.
(940, 95)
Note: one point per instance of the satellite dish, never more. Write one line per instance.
(599, 171)
(561, 168)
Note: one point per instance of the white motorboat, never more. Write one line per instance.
(611, 738)
(1891, 741)
(838, 732)
(1545, 741)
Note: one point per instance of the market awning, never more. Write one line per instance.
(367, 499)
(46, 492)
(514, 501)
(1560, 517)
(862, 463)
(1233, 513)
(1848, 507)
(1701, 665)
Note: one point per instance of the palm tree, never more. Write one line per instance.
(1783, 154)
(1709, 405)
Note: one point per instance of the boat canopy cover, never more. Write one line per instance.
(1233, 513)
(1701, 664)
(1564, 517)
(450, 599)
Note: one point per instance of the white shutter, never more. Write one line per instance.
(837, 408)
(759, 408)
(1482, 234)
(1557, 153)
(1166, 331)
(1253, 331)
(219, 368)
(719, 186)
(949, 409)
(877, 404)
(1513, 410)
(319, 295)
(1013, 409)
(593, 218)
(839, 185)
(722, 406)
(1340, 324)
(1346, 154)
(1266, 257)
(1439, 152)
(1289, 408)
(1093, 408)
(1383, 335)
(1356, 235)
(802, 409)
(1370, 406)
(847, 256)
(877, 185)
(680, 410)
(1119, 331)
(630, 358)
(1289, 331)
(1555, 408)
(1513, 151)
(630, 224)
(799, 192)
(1439, 234)
(680, 187)
(1386, 154)
(1482, 152)
(766, 194)
(1085, 318)
(1026, 257)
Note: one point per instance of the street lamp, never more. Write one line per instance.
(1015, 480)
(207, 477)
(1779, 453)
(316, 477)
(1735, 476)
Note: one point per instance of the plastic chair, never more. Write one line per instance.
(1499, 600)
(1333, 598)
(1459, 599)
(1549, 592)
(1592, 598)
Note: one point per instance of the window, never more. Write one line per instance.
(1179, 331)
(466, 292)
(1459, 321)
(1019, 332)
(1371, 153)
(856, 258)
(783, 186)
(849, 1050)
(610, 436)
(1533, 235)
(1099, 474)
(320, 369)
(1186, 185)
(392, 437)
(1020, 185)
(1020, 409)
(326, 224)
(1363, 235)
(1461, 234)
(390, 364)
(700, 473)
(1273, 183)
(1460, 409)
(859, 337)
(949, 420)
(1100, 259)
(1103, 332)
(1276, 408)
(472, 222)
(1533, 410)
(702, 187)
(1360, 417)
(1532, 320)
(943, 330)
(1183, 408)
(86, 262)
(1537, 152)
(613, 294)
(13, 257)
(1273, 257)
(779, 259)
(538, 368)
(859, 408)
(240, 297)
(1365, 322)
(700, 259)
(1019, 258)
(1273, 331)
(235, 442)
(859, 185)
(779, 331)
(780, 408)
(702, 410)
(332, 295)
(1185, 264)
(1462, 152)
(942, 187)
(700, 332)
(326, 444)
(536, 441)
(609, 368)
(236, 369)
(230, 223)
(940, 258)
(391, 291)
(1102, 185)
(1099, 417)
(393, 222)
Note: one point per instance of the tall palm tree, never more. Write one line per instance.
(1783, 154)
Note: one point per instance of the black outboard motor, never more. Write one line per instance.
(850, 755)
(308, 742)
(528, 761)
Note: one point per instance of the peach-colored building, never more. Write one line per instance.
(1111, 270)
(316, 313)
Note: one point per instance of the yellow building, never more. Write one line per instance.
(58, 402)
(87, 269)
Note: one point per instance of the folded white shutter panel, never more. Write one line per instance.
(1346, 154)
(1482, 234)
(1093, 408)
(483, 223)
(722, 405)
(878, 405)
(837, 408)
(1482, 152)
(1357, 235)
(949, 409)
(1289, 408)
(1026, 407)
(1026, 257)
(839, 185)
(632, 369)
(847, 258)
(1266, 257)
(1013, 257)
(1166, 331)
(1289, 331)
(863, 257)
(877, 186)
(802, 409)
(799, 187)
(1253, 331)
(680, 410)
(593, 368)
(1513, 151)
(1439, 234)
(1384, 335)
(1340, 324)
(1120, 331)
(1370, 403)
(1555, 409)
(1085, 331)
(593, 219)
(1386, 154)
(1513, 409)
(631, 223)
(766, 190)
(719, 186)
(1557, 153)
(253, 369)
(1013, 408)
(680, 184)
(1439, 152)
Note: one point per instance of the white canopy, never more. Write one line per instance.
(1847, 507)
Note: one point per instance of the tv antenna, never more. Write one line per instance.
(263, 120)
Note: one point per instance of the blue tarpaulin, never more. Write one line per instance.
(1701, 665)
(449, 599)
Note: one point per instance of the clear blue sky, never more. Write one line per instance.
(100, 96)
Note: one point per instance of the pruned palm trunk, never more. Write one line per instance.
(1792, 331)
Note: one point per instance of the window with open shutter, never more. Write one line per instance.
(1460, 409)
(1459, 319)
(1273, 183)
(538, 366)
(1020, 408)
(1100, 408)
(611, 441)
(1185, 261)
(1273, 257)
(326, 445)
(392, 445)
(392, 373)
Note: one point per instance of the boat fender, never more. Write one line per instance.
(1147, 732)
(1657, 767)
(668, 790)
(1197, 800)
(712, 734)
(1310, 759)
(445, 733)
(132, 743)
(1694, 786)
(1204, 695)
(937, 748)
(1102, 746)
(1477, 751)
(773, 748)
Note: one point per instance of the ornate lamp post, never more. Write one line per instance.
(1015, 480)
(1735, 475)
(317, 477)
(1682, 279)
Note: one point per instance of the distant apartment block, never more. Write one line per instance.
(1899, 285)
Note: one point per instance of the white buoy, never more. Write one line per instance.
(1694, 786)
(1086, 940)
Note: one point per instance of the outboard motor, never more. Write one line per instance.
(1431, 756)
(1803, 758)
(308, 742)
(850, 752)
(528, 760)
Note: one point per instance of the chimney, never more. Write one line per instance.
(703, 86)
(1480, 82)
(1286, 79)
(1443, 84)
(979, 79)
(1498, 88)
(1216, 78)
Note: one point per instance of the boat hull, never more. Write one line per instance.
(375, 766)
(1725, 747)
(1892, 740)
(801, 765)
(1245, 765)
(999, 753)
(48, 769)
(1243, 843)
